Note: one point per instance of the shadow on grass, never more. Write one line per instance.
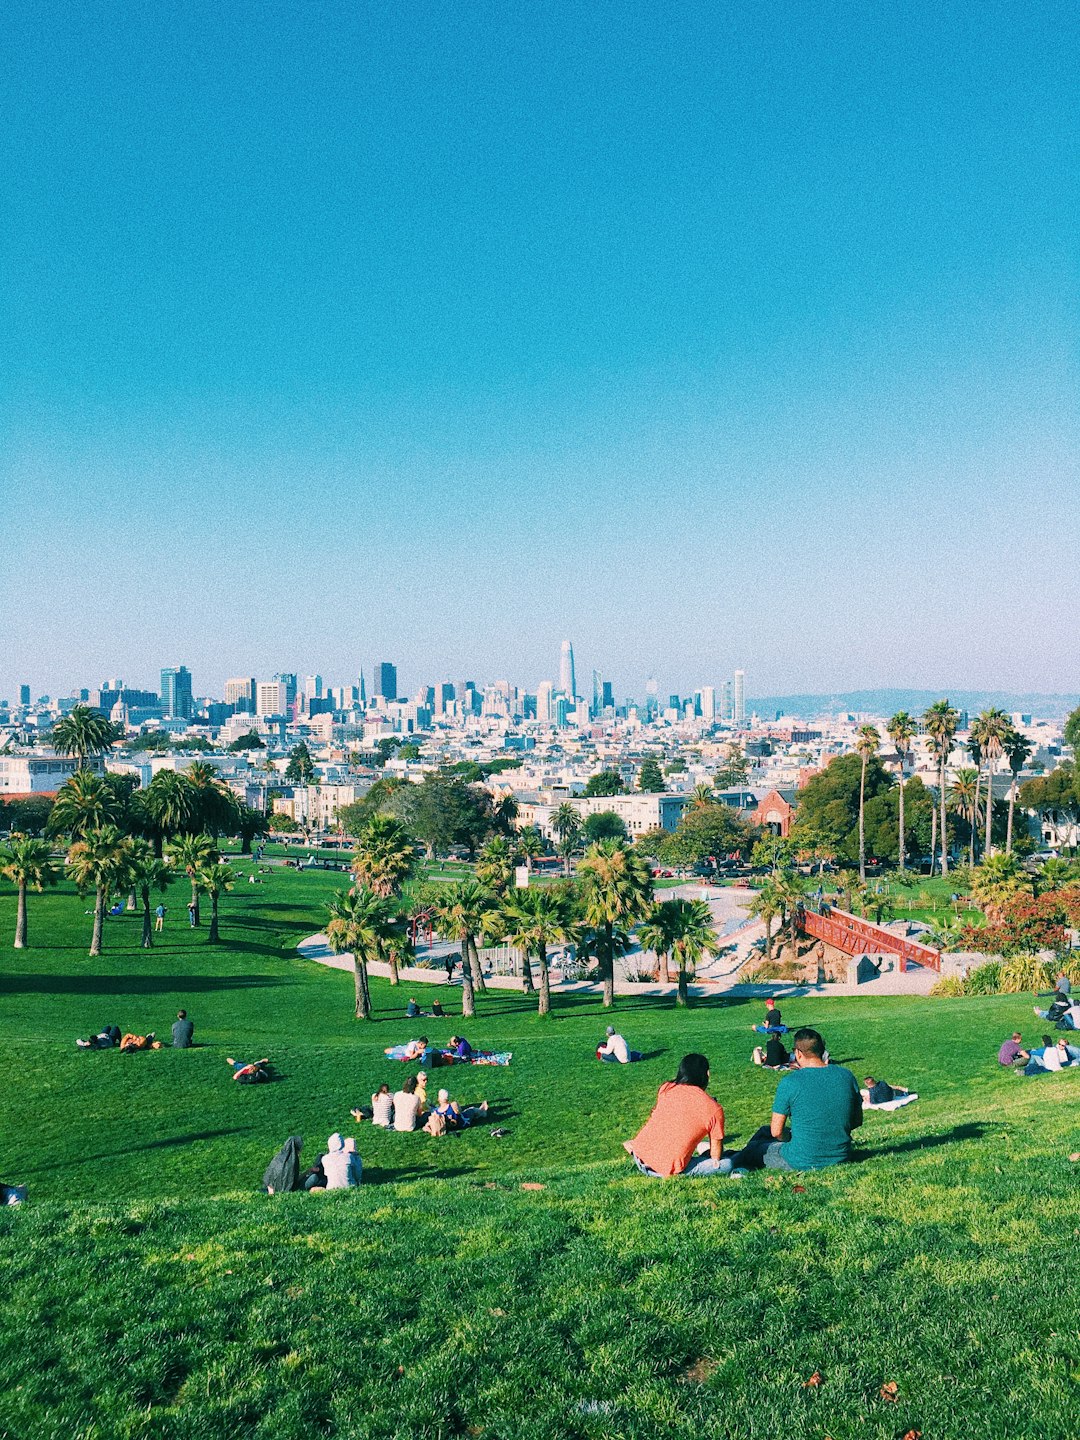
(958, 1135)
(129, 984)
(165, 1144)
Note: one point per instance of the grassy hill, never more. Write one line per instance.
(151, 1290)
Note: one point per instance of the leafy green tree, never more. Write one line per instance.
(534, 920)
(84, 803)
(301, 767)
(216, 880)
(281, 824)
(29, 814)
(603, 783)
(940, 721)
(148, 740)
(98, 861)
(84, 732)
(444, 811)
(567, 824)
(734, 771)
(901, 730)
(364, 924)
(709, 831)
(505, 814)
(829, 804)
(250, 825)
(650, 778)
(28, 864)
(867, 745)
(675, 767)
(1054, 797)
(250, 740)
(193, 854)
(1072, 729)
(409, 751)
(604, 825)
(616, 890)
(999, 879)
(883, 821)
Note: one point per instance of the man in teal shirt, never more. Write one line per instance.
(822, 1104)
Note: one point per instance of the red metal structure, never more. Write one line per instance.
(861, 937)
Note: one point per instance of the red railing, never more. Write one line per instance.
(861, 937)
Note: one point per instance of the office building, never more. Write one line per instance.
(708, 704)
(289, 681)
(240, 694)
(544, 710)
(386, 680)
(567, 681)
(271, 697)
(313, 688)
(727, 702)
(24, 695)
(444, 694)
(607, 696)
(176, 700)
(740, 697)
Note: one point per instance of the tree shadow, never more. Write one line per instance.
(958, 1135)
(129, 984)
(164, 1144)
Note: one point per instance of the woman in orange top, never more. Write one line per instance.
(683, 1116)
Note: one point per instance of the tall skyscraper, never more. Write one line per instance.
(567, 682)
(386, 680)
(363, 689)
(240, 694)
(176, 699)
(24, 695)
(727, 702)
(313, 687)
(544, 711)
(708, 704)
(740, 697)
(271, 697)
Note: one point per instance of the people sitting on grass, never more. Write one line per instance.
(131, 1042)
(448, 1115)
(822, 1104)
(341, 1167)
(460, 1048)
(615, 1049)
(437, 1011)
(1051, 1056)
(415, 1049)
(1059, 1007)
(772, 1054)
(106, 1038)
(1012, 1050)
(406, 1105)
(381, 1110)
(249, 1072)
(412, 1010)
(182, 1031)
(421, 1089)
(282, 1175)
(684, 1115)
(773, 1022)
(880, 1092)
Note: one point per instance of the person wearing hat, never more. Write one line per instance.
(615, 1048)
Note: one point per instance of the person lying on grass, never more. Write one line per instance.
(415, 1049)
(453, 1116)
(822, 1103)
(249, 1072)
(684, 1115)
(772, 1055)
(616, 1049)
(139, 1042)
(880, 1092)
(1012, 1050)
(1058, 1008)
(105, 1039)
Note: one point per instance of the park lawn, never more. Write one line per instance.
(152, 1291)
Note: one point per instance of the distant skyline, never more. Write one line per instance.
(709, 338)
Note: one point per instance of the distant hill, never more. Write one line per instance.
(887, 702)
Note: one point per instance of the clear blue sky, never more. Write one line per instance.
(707, 335)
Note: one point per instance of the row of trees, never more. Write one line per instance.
(611, 896)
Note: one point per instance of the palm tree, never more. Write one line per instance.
(689, 927)
(1018, 751)
(941, 720)
(702, 796)
(534, 920)
(249, 824)
(217, 810)
(505, 813)
(495, 864)
(363, 924)
(996, 881)
(217, 880)
(85, 802)
(171, 807)
(146, 873)
(28, 864)
(994, 726)
(385, 856)
(84, 732)
(567, 825)
(766, 905)
(790, 889)
(901, 731)
(461, 914)
(530, 844)
(193, 854)
(99, 860)
(652, 935)
(616, 890)
(867, 744)
(964, 799)
(975, 750)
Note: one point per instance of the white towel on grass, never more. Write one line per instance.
(895, 1103)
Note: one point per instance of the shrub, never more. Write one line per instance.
(1026, 972)
(948, 987)
(985, 980)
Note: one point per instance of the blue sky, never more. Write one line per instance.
(707, 335)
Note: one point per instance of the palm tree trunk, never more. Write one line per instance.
(978, 806)
(468, 1004)
(527, 985)
(682, 995)
(933, 838)
(862, 821)
(544, 1005)
(768, 938)
(212, 937)
(392, 961)
(609, 965)
(147, 927)
(195, 901)
(475, 969)
(20, 919)
(1012, 807)
(989, 850)
(901, 847)
(665, 967)
(363, 993)
(99, 920)
(943, 827)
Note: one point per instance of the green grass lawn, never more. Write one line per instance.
(151, 1290)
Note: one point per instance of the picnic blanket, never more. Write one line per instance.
(895, 1103)
(447, 1057)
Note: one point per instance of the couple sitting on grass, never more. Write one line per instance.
(821, 1102)
(339, 1169)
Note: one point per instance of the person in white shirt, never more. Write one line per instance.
(406, 1106)
(615, 1048)
(339, 1164)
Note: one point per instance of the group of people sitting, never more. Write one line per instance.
(413, 1011)
(340, 1168)
(457, 1048)
(407, 1109)
(1044, 1059)
(109, 1037)
(1062, 1012)
(816, 1108)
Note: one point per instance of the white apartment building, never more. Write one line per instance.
(639, 812)
(41, 772)
(317, 805)
(271, 697)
